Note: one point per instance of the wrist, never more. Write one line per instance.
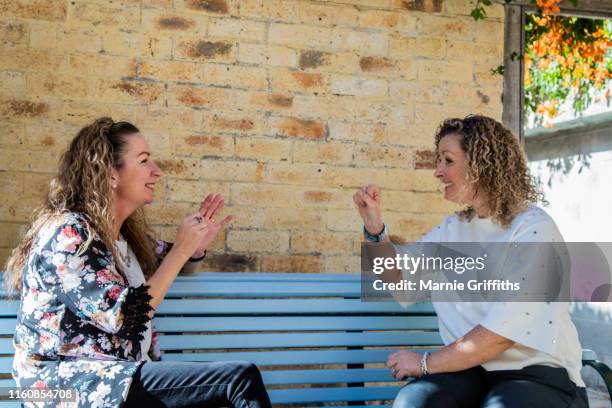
(375, 237)
(197, 257)
(179, 254)
(375, 229)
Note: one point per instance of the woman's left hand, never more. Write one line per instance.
(211, 207)
(404, 364)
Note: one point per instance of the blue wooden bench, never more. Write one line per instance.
(314, 340)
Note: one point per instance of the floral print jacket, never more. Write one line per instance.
(80, 323)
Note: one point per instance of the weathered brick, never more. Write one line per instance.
(60, 85)
(232, 170)
(317, 242)
(379, 156)
(234, 123)
(293, 219)
(327, 14)
(16, 108)
(324, 198)
(165, 21)
(102, 17)
(12, 84)
(12, 134)
(344, 220)
(129, 91)
(35, 9)
(275, 10)
(258, 241)
(411, 180)
(246, 217)
(342, 264)
(43, 35)
(180, 167)
(195, 191)
(234, 76)
(263, 149)
(33, 60)
(11, 233)
(429, 6)
(490, 31)
(105, 66)
(13, 34)
(186, 95)
(291, 263)
(353, 177)
(265, 101)
(453, 71)
(362, 41)
(358, 132)
(263, 195)
(297, 81)
(238, 29)
(294, 173)
(315, 152)
(151, 45)
(28, 160)
(401, 46)
(378, 19)
(358, 86)
(169, 213)
(169, 70)
(300, 36)
(206, 50)
(314, 59)
(212, 7)
(452, 26)
(224, 262)
(199, 144)
(269, 55)
(296, 127)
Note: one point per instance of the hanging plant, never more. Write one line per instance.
(565, 58)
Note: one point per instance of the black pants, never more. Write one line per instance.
(200, 384)
(535, 386)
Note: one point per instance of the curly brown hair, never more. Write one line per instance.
(496, 165)
(83, 185)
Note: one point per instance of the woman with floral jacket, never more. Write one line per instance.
(91, 277)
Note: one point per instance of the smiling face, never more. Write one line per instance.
(134, 181)
(451, 170)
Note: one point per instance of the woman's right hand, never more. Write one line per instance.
(190, 234)
(369, 205)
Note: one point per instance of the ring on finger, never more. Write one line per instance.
(198, 219)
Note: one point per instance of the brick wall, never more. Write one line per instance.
(285, 107)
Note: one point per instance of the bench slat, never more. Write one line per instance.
(310, 395)
(294, 357)
(224, 307)
(331, 376)
(284, 323)
(288, 340)
(271, 289)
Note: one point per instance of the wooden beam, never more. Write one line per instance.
(512, 115)
(584, 8)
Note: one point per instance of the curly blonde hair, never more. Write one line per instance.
(83, 185)
(496, 165)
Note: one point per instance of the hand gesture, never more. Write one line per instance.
(369, 206)
(190, 233)
(210, 208)
(404, 364)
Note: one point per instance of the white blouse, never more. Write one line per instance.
(543, 332)
(135, 278)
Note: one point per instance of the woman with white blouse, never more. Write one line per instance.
(496, 355)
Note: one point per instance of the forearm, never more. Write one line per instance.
(478, 346)
(164, 276)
